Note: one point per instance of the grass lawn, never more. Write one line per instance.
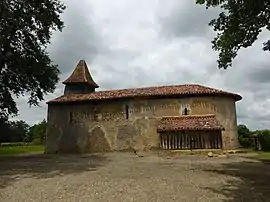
(15, 150)
(260, 155)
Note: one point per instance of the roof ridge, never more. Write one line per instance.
(167, 86)
(151, 91)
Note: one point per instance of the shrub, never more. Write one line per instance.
(244, 136)
(13, 144)
(37, 141)
(245, 142)
(264, 139)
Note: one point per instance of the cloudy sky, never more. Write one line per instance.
(136, 43)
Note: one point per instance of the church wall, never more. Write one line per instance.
(105, 126)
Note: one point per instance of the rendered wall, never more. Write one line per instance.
(103, 126)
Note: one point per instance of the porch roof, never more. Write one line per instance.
(189, 122)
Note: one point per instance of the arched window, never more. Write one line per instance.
(185, 111)
(95, 115)
(127, 111)
(70, 117)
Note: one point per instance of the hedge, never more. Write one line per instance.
(14, 144)
(264, 139)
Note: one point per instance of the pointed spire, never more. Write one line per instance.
(81, 75)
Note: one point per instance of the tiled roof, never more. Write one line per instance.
(160, 91)
(81, 74)
(189, 122)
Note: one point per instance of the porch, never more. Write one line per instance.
(190, 132)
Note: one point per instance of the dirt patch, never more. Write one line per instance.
(127, 177)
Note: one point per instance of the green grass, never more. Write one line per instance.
(260, 155)
(15, 150)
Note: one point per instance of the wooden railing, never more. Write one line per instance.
(191, 140)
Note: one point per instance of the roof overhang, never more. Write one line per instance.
(189, 123)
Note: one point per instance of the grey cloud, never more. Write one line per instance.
(187, 19)
(260, 74)
(250, 75)
(31, 115)
(173, 47)
(132, 77)
(79, 39)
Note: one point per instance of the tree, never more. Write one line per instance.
(4, 129)
(13, 131)
(37, 133)
(18, 131)
(243, 129)
(238, 26)
(244, 135)
(264, 139)
(25, 66)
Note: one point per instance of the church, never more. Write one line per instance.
(176, 117)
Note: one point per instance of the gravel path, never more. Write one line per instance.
(117, 177)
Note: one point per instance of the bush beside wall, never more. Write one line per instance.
(264, 139)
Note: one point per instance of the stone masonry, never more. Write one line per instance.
(83, 123)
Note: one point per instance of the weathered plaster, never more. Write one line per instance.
(102, 126)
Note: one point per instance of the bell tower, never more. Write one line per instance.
(80, 81)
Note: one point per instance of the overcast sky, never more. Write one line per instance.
(136, 43)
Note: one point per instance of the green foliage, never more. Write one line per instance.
(37, 133)
(4, 129)
(25, 66)
(245, 142)
(261, 156)
(238, 26)
(15, 150)
(14, 131)
(13, 144)
(244, 136)
(264, 138)
(20, 131)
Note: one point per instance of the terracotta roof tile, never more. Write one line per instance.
(189, 122)
(160, 91)
(81, 74)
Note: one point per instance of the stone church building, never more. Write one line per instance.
(164, 117)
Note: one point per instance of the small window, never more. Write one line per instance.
(70, 117)
(95, 115)
(185, 111)
(127, 111)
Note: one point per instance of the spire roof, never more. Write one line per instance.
(81, 74)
